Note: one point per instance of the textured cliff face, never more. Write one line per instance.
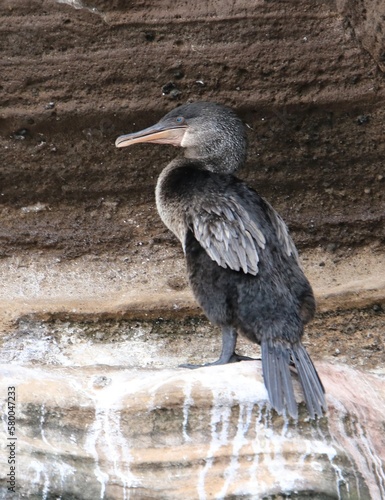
(367, 20)
(73, 79)
(93, 288)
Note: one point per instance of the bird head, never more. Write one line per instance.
(209, 132)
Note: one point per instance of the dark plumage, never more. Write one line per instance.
(242, 264)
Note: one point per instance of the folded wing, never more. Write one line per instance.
(228, 234)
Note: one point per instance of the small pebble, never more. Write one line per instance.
(101, 381)
(174, 93)
(20, 134)
(332, 247)
(171, 90)
(38, 207)
(178, 74)
(362, 119)
(149, 36)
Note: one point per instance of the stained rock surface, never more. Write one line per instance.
(118, 433)
(95, 309)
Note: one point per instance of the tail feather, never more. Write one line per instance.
(313, 389)
(276, 373)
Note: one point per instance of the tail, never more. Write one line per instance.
(276, 360)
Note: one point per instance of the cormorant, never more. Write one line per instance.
(242, 263)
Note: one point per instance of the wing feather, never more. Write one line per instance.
(281, 231)
(228, 235)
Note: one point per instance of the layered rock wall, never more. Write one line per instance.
(75, 78)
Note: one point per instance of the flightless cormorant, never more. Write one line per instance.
(242, 263)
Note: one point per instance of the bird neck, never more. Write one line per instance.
(220, 152)
(219, 156)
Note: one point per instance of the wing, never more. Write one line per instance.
(227, 233)
(281, 231)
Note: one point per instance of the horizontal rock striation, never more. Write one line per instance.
(75, 78)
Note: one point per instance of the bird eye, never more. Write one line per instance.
(179, 119)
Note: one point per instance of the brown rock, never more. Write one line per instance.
(302, 76)
(367, 19)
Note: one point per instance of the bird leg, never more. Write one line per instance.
(228, 354)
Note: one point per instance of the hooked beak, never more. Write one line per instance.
(158, 134)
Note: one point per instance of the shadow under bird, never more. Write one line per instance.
(242, 263)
